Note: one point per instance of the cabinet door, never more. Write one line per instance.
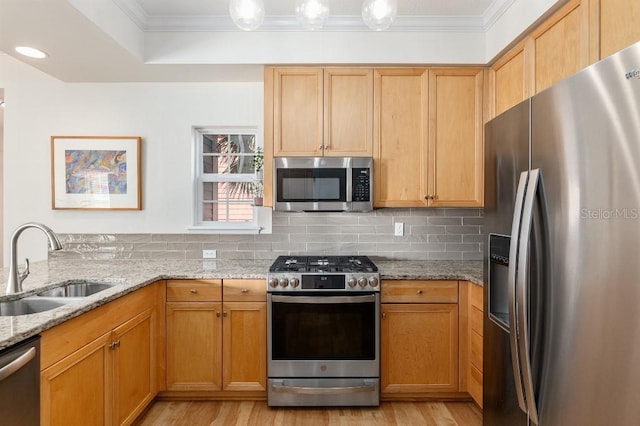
(348, 112)
(561, 44)
(73, 391)
(194, 337)
(134, 382)
(456, 173)
(618, 24)
(297, 112)
(400, 137)
(419, 348)
(244, 346)
(510, 79)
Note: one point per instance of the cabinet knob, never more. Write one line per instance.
(244, 291)
(419, 291)
(218, 314)
(193, 291)
(224, 314)
(428, 197)
(320, 148)
(327, 147)
(384, 315)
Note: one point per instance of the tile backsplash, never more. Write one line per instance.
(429, 234)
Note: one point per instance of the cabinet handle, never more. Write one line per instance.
(193, 291)
(218, 314)
(244, 291)
(114, 345)
(224, 314)
(419, 292)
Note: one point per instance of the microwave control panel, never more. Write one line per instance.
(361, 184)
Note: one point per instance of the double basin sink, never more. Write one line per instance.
(53, 298)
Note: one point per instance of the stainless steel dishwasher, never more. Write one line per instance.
(20, 384)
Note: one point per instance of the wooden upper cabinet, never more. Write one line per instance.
(348, 112)
(618, 25)
(510, 79)
(298, 112)
(322, 111)
(401, 104)
(456, 153)
(561, 44)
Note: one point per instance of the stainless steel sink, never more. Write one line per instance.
(77, 289)
(31, 305)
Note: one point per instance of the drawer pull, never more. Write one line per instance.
(244, 291)
(193, 291)
(419, 292)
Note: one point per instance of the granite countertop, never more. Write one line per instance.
(129, 275)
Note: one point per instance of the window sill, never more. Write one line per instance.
(224, 230)
(262, 225)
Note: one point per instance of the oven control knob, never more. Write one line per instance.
(373, 282)
(362, 282)
(273, 282)
(284, 282)
(352, 282)
(294, 282)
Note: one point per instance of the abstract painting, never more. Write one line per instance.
(96, 172)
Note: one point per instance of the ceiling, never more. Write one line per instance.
(196, 41)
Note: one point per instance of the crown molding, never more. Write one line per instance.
(148, 23)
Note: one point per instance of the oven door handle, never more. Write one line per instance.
(324, 299)
(302, 390)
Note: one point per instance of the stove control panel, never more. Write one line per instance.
(359, 281)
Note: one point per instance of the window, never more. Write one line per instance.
(225, 180)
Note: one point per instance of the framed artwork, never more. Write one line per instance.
(95, 172)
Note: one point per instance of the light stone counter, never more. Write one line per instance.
(130, 275)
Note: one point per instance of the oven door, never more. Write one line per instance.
(323, 335)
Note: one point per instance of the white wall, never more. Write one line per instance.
(162, 114)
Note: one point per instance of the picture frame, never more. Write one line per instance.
(96, 172)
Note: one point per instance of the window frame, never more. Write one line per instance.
(199, 178)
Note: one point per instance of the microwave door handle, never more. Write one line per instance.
(324, 299)
(523, 302)
(511, 280)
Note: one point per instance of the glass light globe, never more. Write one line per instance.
(247, 14)
(379, 14)
(312, 13)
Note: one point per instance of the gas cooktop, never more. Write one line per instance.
(320, 273)
(323, 264)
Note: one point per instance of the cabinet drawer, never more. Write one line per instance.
(476, 350)
(475, 320)
(475, 296)
(417, 291)
(194, 290)
(475, 385)
(244, 290)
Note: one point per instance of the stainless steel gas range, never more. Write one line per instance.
(323, 331)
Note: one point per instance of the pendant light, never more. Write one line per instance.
(247, 14)
(312, 13)
(379, 14)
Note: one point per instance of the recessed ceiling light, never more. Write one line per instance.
(31, 52)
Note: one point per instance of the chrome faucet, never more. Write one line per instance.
(14, 284)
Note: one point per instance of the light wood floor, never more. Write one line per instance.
(195, 413)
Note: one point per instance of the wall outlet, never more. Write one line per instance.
(209, 254)
(399, 229)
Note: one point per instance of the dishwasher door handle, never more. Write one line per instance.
(17, 364)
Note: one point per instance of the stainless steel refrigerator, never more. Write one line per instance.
(562, 257)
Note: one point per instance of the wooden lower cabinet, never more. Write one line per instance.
(419, 339)
(212, 345)
(105, 380)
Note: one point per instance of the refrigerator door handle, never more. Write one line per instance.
(511, 275)
(521, 290)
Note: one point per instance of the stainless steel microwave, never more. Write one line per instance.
(323, 184)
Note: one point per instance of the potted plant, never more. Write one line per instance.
(258, 162)
(257, 190)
